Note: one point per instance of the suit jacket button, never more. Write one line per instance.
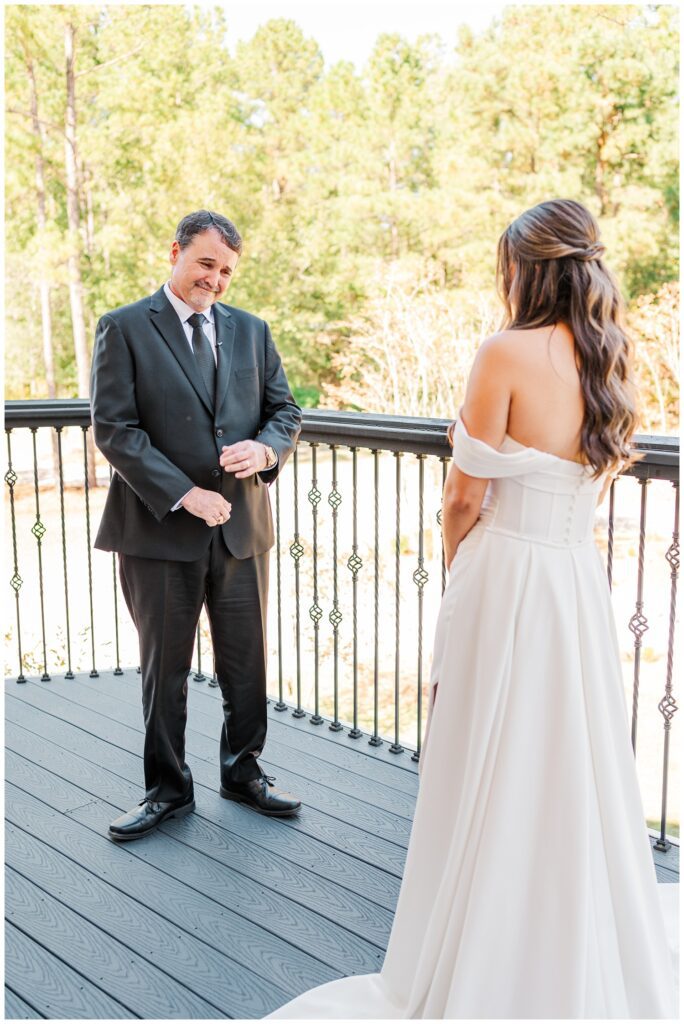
(219, 433)
(216, 472)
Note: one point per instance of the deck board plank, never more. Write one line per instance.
(30, 721)
(204, 704)
(17, 1008)
(364, 788)
(55, 988)
(202, 752)
(189, 903)
(666, 859)
(259, 848)
(339, 745)
(134, 982)
(320, 936)
(176, 951)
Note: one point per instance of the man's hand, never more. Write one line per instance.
(244, 458)
(207, 505)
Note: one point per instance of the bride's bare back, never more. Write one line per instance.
(546, 404)
(526, 383)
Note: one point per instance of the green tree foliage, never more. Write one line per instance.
(654, 323)
(351, 187)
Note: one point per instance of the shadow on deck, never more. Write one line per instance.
(222, 914)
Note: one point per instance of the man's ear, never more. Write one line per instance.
(175, 250)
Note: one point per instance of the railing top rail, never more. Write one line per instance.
(413, 434)
(47, 412)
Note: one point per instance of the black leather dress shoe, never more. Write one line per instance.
(261, 795)
(147, 816)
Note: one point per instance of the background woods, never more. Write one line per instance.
(370, 199)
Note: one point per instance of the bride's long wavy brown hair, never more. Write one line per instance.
(550, 269)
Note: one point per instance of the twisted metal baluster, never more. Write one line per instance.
(118, 671)
(420, 578)
(668, 705)
(611, 534)
(280, 705)
(38, 530)
(638, 624)
(94, 674)
(396, 747)
(335, 617)
(69, 673)
(199, 675)
(375, 740)
(16, 580)
(440, 518)
(354, 563)
(296, 550)
(315, 611)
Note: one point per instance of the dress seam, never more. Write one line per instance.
(539, 540)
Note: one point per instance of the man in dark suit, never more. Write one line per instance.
(192, 408)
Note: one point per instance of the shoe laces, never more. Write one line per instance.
(270, 779)
(153, 805)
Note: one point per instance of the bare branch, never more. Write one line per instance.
(27, 113)
(615, 21)
(113, 60)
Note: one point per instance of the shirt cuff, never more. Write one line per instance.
(179, 504)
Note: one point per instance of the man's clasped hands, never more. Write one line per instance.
(244, 458)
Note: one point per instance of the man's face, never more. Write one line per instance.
(201, 272)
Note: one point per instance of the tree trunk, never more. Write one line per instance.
(43, 279)
(90, 216)
(600, 174)
(74, 248)
(392, 182)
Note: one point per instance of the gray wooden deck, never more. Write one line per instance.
(222, 914)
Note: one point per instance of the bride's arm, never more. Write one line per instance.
(604, 490)
(461, 505)
(485, 416)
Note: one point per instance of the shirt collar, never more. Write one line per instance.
(182, 308)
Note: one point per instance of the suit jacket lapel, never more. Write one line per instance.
(165, 319)
(225, 343)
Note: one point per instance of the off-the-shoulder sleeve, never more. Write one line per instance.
(476, 458)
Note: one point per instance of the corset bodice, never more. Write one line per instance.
(532, 495)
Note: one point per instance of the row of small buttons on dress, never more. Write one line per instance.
(571, 512)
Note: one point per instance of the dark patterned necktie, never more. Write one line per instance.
(203, 354)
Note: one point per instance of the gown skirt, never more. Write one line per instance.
(529, 889)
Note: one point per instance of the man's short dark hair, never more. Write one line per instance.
(203, 220)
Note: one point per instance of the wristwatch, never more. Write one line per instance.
(271, 457)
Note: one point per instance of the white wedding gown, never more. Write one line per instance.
(529, 889)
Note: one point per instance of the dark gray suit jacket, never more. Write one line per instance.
(153, 421)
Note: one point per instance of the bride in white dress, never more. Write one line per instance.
(529, 889)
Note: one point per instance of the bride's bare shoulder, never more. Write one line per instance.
(500, 349)
(511, 348)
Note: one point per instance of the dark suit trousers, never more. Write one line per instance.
(165, 599)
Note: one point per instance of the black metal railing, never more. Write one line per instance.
(352, 590)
